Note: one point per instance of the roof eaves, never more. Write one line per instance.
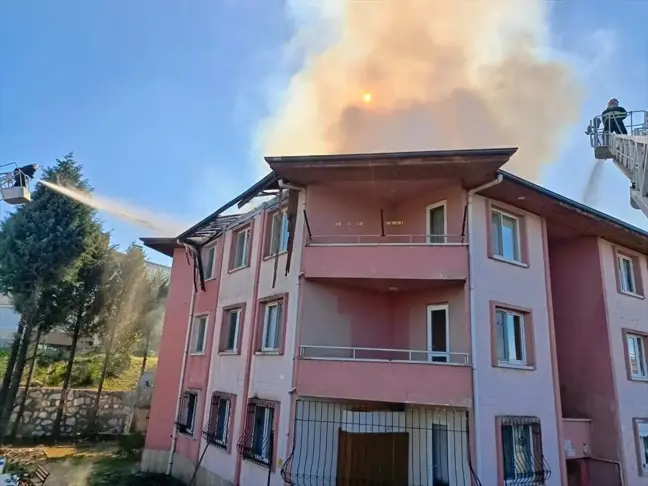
(574, 204)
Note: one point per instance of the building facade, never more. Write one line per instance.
(403, 319)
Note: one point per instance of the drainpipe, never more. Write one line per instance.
(183, 368)
(473, 323)
(253, 331)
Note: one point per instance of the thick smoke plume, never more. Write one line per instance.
(441, 74)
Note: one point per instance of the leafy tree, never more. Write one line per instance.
(125, 305)
(40, 246)
(85, 299)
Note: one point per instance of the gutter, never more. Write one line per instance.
(473, 320)
(250, 348)
(183, 369)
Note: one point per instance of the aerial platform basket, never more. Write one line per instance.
(14, 185)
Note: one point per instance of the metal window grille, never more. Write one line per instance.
(217, 430)
(257, 442)
(186, 413)
(360, 444)
(522, 457)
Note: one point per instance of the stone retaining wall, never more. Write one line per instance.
(115, 409)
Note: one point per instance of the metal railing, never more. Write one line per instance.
(394, 240)
(361, 444)
(355, 353)
(636, 123)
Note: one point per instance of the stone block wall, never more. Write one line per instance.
(38, 418)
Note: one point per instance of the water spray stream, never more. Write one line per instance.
(591, 190)
(161, 226)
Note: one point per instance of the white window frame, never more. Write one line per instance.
(229, 312)
(429, 237)
(446, 354)
(194, 334)
(620, 260)
(278, 330)
(517, 258)
(639, 342)
(267, 427)
(211, 250)
(642, 431)
(189, 428)
(245, 258)
(532, 452)
(283, 245)
(508, 361)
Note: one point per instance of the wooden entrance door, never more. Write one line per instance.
(372, 459)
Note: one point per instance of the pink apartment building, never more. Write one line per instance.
(410, 319)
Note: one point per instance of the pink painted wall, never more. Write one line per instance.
(198, 365)
(162, 415)
(505, 391)
(578, 433)
(627, 312)
(354, 209)
(586, 380)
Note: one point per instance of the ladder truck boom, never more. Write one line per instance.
(628, 152)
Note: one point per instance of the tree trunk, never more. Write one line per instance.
(56, 429)
(15, 379)
(30, 374)
(11, 363)
(146, 351)
(104, 371)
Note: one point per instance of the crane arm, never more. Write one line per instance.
(628, 152)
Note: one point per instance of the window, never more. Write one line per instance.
(219, 420)
(241, 248)
(636, 356)
(198, 335)
(627, 275)
(272, 323)
(279, 232)
(641, 428)
(436, 223)
(522, 458)
(231, 330)
(208, 258)
(187, 413)
(510, 339)
(258, 441)
(505, 236)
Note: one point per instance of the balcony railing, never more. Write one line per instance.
(391, 240)
(354, 353)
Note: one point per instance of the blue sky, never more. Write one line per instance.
(159, 99)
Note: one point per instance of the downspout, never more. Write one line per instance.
(473, 323)
(253, 331)
(183, 367)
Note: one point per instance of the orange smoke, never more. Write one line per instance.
(450, 74)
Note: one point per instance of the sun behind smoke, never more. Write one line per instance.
(451, 73)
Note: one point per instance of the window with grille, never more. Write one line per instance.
(219, 420)
(187, 413)
(257, 443)
(523, 461)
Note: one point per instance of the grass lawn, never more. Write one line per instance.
(126, 380)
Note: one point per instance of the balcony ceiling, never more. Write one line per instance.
(389, 286)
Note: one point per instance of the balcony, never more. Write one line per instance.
(386, 375)
(394, 257)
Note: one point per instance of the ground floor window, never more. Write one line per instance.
(187, 413)
(219, 419)
(521, 451)
(257, 442)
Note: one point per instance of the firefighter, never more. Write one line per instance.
(24, 174)
(613, 117)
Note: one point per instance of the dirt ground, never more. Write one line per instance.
(95, 465)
